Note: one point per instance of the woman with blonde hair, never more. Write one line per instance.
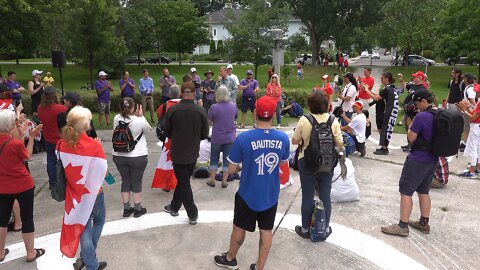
(85, 167)
(16, 183)
(274, 89)
(131, 165)
(222, 115)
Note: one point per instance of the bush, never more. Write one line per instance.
(212, 47)
(207, 57)
(428, 54)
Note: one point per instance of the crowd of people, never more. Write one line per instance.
(187, 112)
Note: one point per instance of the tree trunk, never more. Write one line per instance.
(138, 57)
(179, 58)
(315, 43)
(17, 61)
(159, 56)
(90, 65)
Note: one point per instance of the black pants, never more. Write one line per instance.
(25, 200)
(183, 192)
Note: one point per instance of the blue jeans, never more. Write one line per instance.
(92, 232)
(349, 115)
(309, 182)
(51, 163)
(279, 112)
(215, 155)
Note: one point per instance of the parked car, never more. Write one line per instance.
(154, 60)
(134, 60)
(417, 60)
(300, 60)
(461, 60)
(365, 54)
(376, 55)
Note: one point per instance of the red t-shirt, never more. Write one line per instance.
(477, 110)
(366, 81)
(48, 116)
(170, 103)
(274, 91)
(14, 176)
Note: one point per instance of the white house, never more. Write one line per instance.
(216, 22)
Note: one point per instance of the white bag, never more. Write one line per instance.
(344, 190)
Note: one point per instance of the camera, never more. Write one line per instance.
(337, 111)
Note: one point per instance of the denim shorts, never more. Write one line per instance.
(416, 176)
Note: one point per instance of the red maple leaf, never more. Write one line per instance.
(75, 190)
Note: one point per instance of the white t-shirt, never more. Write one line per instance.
(350, 91)
(233, 76)
(137, 126)
(204, 153)
(359, 126)
(469, 92)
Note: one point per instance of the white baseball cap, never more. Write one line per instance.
(36, 71)
(229, 66)
(102, 73)
(193, 69)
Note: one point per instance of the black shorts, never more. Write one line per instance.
(246, 218)
(248, 103)
(416, 176)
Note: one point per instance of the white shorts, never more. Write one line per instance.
(472, 149)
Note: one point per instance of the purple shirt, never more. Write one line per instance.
(198, 82)
(128, 90)
(423, 126)
(11, 85)
(223, 116)
(105, 95)
(249, 91)
(209, 83)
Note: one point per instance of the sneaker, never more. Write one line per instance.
(381, 151)
(78, 264)
(417, 225)
(304, 235)
(253, 266)
(168, 209)
(462, 146)
(405, 146)
(468, 174)
(362, 151)
(128, 212)
(222, 261)
(193, 221)
(329, 231)
(395, 229)
(436, 184)
(102, 265)
(140, 213)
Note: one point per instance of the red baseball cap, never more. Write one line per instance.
(265, 106)
(419, 74)
(358, 104)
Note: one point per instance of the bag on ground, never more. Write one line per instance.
(318, 229)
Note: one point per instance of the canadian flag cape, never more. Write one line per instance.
(164, 176)
(5, 103)
(85, 168)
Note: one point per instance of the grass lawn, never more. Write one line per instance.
(29, 60)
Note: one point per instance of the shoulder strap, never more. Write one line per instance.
(331, 117)
(5, 143)
(164, 109)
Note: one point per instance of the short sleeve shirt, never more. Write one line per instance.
(469, 92)
(423, 126)
(128, 90)
(477, 110)
(14, 176)
(304, 128)
(370, 82)
(105, 95)
(350, 91)
(358, 126)
(206, 84)
(11, 85)
(261, 151)
(250, 90)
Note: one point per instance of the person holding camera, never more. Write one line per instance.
(347, 97)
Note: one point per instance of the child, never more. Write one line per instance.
(345, 64)
(299, 72)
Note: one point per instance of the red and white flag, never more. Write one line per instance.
(164, 176)
(85, 168)
(6, 104)
(285, 176)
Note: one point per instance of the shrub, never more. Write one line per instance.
(212, 47)
(428, 54)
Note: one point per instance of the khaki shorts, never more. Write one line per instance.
(104, 107)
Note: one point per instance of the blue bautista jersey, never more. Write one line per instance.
(260, 151)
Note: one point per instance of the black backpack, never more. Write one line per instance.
(122, 138)
(340, 81)
(59, 189)
(447, 133)
(320, 154)
(161, 134)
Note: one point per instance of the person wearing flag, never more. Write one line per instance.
(85, 167)
(261, 151)
(16, 183)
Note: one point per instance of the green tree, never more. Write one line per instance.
(297, 43)
(325, 19)
(459, 31)
(251, 33)
(212, 47)
(179, 28)
(92, 26)
(220, 47)
(207, 6)
(19, 19)
(135, 18)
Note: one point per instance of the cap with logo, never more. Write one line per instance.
(325, 77)
(265, 106)
(193, 70)
(249, 72)
(419, 74)
(102, 73)
(229, 66)
(358, 104)
(421, 94)
(36, 72)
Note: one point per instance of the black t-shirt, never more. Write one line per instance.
(456, 91)
(412, 88)
(387, 103)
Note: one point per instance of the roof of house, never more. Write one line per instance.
(222, 16)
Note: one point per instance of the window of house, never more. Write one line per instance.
(214, 32)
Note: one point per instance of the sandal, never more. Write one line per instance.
(224, 185)
(40, 253)
(6, 253)
(210, 184)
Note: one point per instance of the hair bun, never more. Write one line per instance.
(125, 103)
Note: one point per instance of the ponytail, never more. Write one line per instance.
(126, 107)
(70, 135)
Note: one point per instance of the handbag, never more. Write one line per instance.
(58, 191)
